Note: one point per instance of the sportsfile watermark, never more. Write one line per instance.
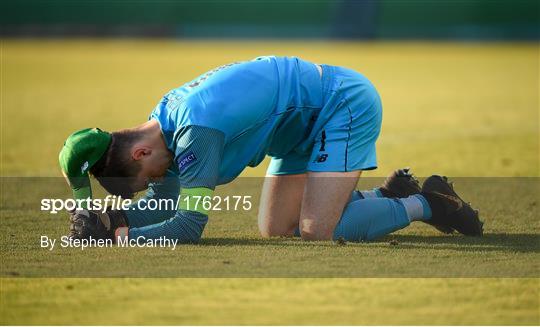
(33, 241)
(113, 202)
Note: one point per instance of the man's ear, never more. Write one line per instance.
(140, 152)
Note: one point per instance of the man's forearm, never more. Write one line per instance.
(164, 194)
(185, 226)
(139, 214)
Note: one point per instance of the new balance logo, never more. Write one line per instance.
(321, 158)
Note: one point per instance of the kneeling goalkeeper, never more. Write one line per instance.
(319, 123)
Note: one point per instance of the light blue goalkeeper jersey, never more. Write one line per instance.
(235, 115)
(264, 106)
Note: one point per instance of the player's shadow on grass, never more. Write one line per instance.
(523, 243)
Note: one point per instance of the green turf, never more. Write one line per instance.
(231, 246)
(270, 301)
(463, 109)
(460, 109)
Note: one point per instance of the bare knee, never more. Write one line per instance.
(315, 233)
(274, 230)
(324, 198)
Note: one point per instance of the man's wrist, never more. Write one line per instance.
(121, 233)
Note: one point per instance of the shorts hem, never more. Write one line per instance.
(281, 173)
(321, 170)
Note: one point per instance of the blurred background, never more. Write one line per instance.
(344, 19)
(458, 79)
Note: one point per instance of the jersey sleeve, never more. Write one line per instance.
(167, 189)
(198, 155)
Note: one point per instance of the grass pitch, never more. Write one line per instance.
(459, 109)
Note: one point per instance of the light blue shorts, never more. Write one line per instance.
(347, 128)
